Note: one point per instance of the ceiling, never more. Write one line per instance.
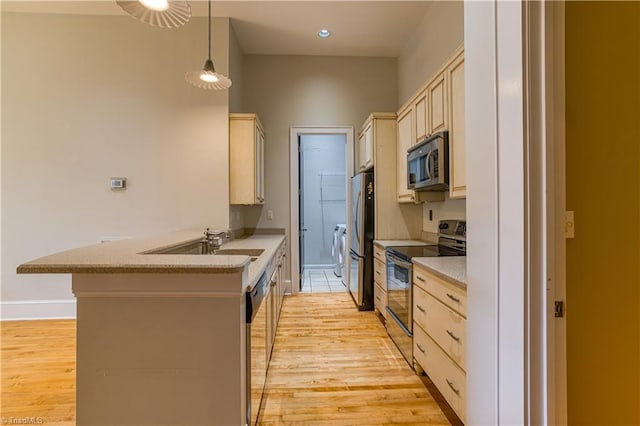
(359, 28)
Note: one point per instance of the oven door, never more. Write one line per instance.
(399, 289)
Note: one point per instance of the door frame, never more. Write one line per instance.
(294, 167)
(516, 367)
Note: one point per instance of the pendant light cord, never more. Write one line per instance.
(209, 29)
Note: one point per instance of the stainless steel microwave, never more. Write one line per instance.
(428, 164)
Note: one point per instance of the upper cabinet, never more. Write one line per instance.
(391, 220)
(420, 116)
(457, 148)
(365, 147)
(405, 141)
(437, 106)
(246, 159)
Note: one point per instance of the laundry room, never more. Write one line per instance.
(323, 206)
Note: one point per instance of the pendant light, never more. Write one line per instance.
(208, 78)
(159, 13)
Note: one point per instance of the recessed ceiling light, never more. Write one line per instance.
(324, 33)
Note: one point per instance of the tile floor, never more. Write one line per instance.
(321, 281)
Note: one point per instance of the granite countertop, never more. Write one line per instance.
(387, 243)
(452, 268)
(125, 256)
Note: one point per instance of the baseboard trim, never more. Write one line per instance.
(38, 309)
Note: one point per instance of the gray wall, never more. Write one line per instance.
(324, 188)
(89, 97)
(289, 91)
(438, 36)
(440, 33)
(236, 73)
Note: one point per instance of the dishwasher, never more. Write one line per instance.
(256, 371)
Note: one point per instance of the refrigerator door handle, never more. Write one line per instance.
(358, 217)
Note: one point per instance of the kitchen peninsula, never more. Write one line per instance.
(161, 338)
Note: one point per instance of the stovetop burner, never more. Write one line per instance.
(427, 250)
(451, 242)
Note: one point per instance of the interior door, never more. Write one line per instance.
(301, 228)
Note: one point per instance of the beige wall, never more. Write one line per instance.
(440, 33)
(236, 73)
(89, 97)
(602, 135)
(289, 91)
(447, 209)
(438, 36)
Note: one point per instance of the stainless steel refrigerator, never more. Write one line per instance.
(361, 243)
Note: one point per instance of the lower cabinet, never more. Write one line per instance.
(445, 374)
(439, 335)
(380, 281)
(274, 300)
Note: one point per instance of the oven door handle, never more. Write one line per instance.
(397, 261)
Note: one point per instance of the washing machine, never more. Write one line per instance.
(338, 250)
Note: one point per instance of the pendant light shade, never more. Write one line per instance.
(159, 13)
(207, 77)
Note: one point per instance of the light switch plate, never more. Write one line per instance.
(269, 214)
(569, 225)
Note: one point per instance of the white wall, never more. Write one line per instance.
(289, 91)
(324, 187)
(89, 97)
(438, 35)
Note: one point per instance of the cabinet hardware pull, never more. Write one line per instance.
(378, 297)
(455, 299)
(420, 308)
(453, 336)
(420, 347)
(419, 278)
(378, 272)
(457, 391)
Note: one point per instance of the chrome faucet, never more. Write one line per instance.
(213, 239)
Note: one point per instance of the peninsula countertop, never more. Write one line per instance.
(125, 256)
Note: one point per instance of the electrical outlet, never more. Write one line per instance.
(569, 225)
(269, 214)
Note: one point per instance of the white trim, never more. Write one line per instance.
(513, 262)
(38, 309)
(556, 198)
(294, 133)
(96, 294)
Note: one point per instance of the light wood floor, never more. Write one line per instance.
(331, 365)
(334, 365)
(39, 370)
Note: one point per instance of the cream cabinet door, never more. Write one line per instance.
(437, 104)
(420, 116)
(246, 159)
(405, 140)
(259, 166)
(365, 148)
(457, 148)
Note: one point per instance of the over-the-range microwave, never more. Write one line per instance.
(428, 164)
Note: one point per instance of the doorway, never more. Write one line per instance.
(322, 212)
(321, 163)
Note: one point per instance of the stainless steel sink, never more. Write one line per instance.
(252, 253)
(190, 247)
(200, 247)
